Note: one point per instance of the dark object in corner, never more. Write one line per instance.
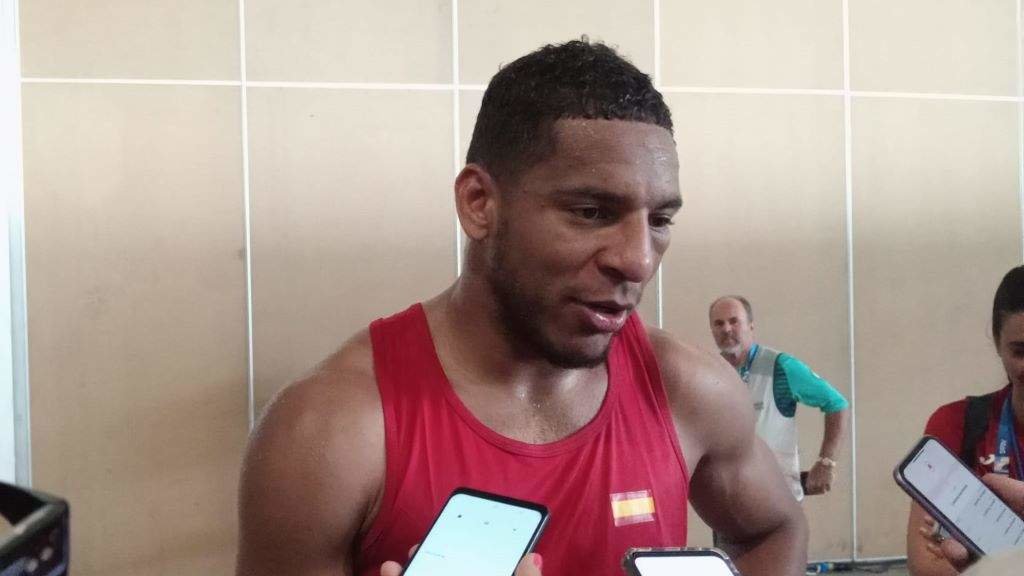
(39, 540)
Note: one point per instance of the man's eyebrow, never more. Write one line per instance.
(588, 193)
(672, 204)
(606, 197)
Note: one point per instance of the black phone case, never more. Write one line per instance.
(930, 508)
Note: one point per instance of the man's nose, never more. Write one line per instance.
(630, 253)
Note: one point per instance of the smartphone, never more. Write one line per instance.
(478, 534)
(676, 561)
(958, 500)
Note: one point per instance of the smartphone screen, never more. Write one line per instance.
(478, 534)
(692, 562)
(947, 488)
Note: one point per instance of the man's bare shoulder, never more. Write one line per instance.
(340, 391)
(315, 467)
(702, 388)
(689, 370)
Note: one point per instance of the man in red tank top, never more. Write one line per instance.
(531, 376)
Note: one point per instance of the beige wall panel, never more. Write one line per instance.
(137, 320)
(752, 44)
(469, 107)
(349, 41)
(956, 46)
(648, 308)
(764, 216)
(195, 39)
(936, 225)
(352, 213)
(469, 101)
(492, 33)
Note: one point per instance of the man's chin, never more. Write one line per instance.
(588, 355)
(730, 350)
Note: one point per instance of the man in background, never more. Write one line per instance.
(777, 383)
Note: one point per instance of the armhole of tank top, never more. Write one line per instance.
(660, 394)
(380, 334)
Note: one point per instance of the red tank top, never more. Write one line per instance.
(618, 482)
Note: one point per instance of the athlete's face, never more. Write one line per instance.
(732, 329)
(580, 234)
(1011, 349)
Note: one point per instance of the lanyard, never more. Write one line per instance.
(1007, 441)
(745, 368)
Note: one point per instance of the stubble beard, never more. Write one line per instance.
(732, 349)
(523, 314)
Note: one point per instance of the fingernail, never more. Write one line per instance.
(538, 561)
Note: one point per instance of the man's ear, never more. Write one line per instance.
(477, 201)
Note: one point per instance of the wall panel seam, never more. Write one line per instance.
(247, 231)
(851, 334)
(456, 127)
(481, 87)
(133, 81)
(21, 388)
(1020, 121)
(660, 281)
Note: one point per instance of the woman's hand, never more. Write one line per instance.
(1011, 491)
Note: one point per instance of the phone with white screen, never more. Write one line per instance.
(478, 534)
(958, 500)
(678, 561)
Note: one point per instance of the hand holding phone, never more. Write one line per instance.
(530, 565)
(958, 500)
(677, 561)
(478, 534)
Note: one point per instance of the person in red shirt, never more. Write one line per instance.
(998, 449)
(531, 376)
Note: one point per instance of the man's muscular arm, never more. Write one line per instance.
(313, 471)
(735, 483)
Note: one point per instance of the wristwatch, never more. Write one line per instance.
(827, 462)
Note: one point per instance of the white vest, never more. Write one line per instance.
(777, 431)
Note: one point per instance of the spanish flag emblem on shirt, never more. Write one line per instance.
(632, 507)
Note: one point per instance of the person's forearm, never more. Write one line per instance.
(835, 428)
(783, 552)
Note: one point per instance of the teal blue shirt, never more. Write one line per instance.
(794, 382)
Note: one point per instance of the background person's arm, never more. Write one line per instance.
(312, 473)
(736, 485)
(810, 389)
(820, 477)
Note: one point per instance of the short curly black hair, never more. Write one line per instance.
(578, 79)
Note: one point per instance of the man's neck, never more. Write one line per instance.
(481, 350)
(511, 391)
